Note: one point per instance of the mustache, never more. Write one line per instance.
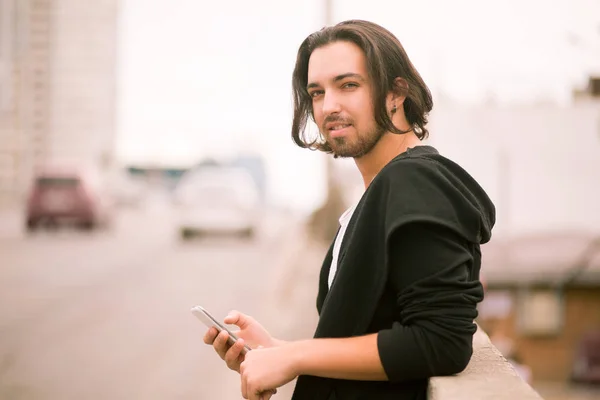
(335, 119)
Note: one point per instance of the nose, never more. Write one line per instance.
(331, 104)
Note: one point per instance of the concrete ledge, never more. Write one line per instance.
(489, 376)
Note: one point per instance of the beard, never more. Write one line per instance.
(357, 147)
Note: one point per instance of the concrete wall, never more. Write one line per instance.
(487, 377)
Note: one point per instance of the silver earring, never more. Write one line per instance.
(394, 109)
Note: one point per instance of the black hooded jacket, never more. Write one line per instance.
(408, 270)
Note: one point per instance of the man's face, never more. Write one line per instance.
(340, 87)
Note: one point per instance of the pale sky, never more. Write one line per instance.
(203, 78)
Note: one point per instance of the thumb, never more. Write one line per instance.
(237, 318)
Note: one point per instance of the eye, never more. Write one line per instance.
(315, 93)
(349, 85)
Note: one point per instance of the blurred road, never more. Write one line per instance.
(105, 315)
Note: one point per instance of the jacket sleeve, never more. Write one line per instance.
(437, 291)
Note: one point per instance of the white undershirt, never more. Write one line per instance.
(344, 220)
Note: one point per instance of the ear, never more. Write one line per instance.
(398, 93)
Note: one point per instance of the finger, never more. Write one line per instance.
(210, 335)
(270, 392)
(255, 394)
(252, 391)
(232, 357)
(237, 318)
(220, 344)
(251, 394)
(267, 395)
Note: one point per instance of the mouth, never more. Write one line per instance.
(337, 130)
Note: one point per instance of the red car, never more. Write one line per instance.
(67, 195)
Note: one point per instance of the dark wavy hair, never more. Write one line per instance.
(386, 60)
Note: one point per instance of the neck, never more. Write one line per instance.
(388, 147)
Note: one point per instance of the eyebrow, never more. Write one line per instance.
(339, 78)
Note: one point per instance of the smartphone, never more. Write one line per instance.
(210, 321)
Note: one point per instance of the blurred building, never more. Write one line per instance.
(540, 163)
(542, 298)
(57, 86)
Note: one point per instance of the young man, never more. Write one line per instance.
(400, 284)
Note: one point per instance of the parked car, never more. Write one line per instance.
(60, 194)
(217, 200)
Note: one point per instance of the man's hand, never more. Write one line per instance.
(265, 369)
(250, 332)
